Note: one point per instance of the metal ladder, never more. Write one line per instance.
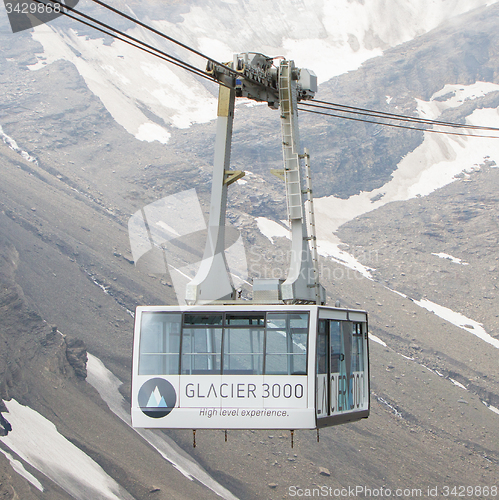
(291, 156)
(311, 228)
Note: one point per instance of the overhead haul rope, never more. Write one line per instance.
(139, 44)
(130, 40)
(391, 116)
(163, 35)
(395, 125)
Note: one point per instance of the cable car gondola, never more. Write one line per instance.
(283, 360)
(256, 366)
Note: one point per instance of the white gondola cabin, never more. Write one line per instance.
(258, 366)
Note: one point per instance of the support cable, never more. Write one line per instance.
(381, 114)
(396, 125)
(130, 40)
(161, 34)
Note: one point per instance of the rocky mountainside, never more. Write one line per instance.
(461, 52)
(71, 179)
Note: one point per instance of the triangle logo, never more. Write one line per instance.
(157, 398)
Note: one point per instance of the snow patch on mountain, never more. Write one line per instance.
(491, 408)
(458, 384)
(454, 260)
(455, 96)
(459, 320)
(432, 165)
(271, 229)
(377, 340)
(128, 81)
(331, 249)
(12, 144)
(36, 441)
(151, 132)
(19, 468)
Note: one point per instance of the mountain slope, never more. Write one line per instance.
(66, 216)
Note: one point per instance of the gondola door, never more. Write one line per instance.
(337, 367)
(322, 381)
(341, 352)
(334, 347)
(342, 392)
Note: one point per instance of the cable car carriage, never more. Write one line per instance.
(283, 360)
(255, 366)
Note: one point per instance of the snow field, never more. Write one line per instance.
(36, 441)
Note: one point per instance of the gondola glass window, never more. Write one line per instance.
(160, 344)
(336, 349)
(217, 343)
(202, 344)
(286, 344)
(357, 348)
(243, 343)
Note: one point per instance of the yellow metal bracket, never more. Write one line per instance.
(231, 176)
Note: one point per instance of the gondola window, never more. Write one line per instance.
(160, 344)
(286, 344)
